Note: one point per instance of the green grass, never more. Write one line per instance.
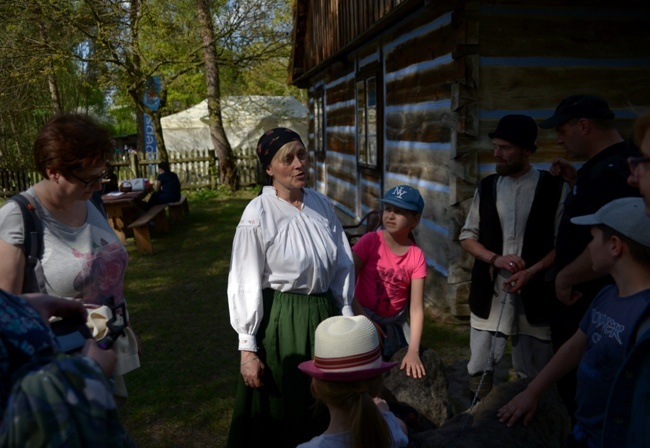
(450, 341)
(183, 393)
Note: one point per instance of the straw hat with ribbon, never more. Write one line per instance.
(346, 349)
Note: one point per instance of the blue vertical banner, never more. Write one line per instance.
(151, 99)
(150, 147)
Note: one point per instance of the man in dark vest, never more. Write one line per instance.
(585, 128)
(510, 230)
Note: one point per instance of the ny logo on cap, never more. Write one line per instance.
(399, 192)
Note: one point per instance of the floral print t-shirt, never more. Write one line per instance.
(85, 262)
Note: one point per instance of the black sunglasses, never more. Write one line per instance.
(93, 180)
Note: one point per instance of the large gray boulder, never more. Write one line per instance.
(548, 428)
(422, 402)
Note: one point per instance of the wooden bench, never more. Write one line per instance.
(178, 210)
(140, 227)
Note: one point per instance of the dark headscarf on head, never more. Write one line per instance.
(271, 142)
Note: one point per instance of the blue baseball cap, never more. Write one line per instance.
(404, 197)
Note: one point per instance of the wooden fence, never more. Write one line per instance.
(196, 169)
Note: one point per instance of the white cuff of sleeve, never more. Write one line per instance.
(247, 342)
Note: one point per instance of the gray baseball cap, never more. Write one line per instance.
(626, 215)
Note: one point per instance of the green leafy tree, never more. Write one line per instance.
(38, 77)
(73, 54)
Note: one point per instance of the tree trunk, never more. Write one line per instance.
(51, 77)
(136, 94)
(227, 168)
(160, 141)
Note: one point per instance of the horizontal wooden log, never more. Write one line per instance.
(419, 126)
(565, 32)
(342, 173)
(425, 85)
(369, 50)
(340, 143)
(369, 189)
(344, 116)
(416, 156)
(341, 92)
(524, 88)
(341, 193)
(439, 42)
(423, 169)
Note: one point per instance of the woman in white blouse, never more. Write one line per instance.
(291, 268)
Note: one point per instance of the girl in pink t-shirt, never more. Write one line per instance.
(390, 271)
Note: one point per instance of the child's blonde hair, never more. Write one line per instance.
(368, 428)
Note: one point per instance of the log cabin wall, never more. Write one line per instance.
(448, 71)
(531, 57)
(430, 102)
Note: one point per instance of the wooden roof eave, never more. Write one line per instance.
(300, 78)
(296, 59)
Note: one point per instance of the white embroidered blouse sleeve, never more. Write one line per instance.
(247, 264)
(343, 283)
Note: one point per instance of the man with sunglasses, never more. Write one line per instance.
(585, 128)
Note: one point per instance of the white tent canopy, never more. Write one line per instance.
(245, 118)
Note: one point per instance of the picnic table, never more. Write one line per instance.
(123, 209)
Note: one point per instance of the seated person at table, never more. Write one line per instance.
(109, 182)
(167, 188)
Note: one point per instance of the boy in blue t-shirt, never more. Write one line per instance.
(620, 247)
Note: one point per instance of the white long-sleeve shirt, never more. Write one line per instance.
(280, 247)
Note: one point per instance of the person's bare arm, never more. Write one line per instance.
(252, 369)
(411, 362)
(565, 170)
(510, 262)
(106, 359)
(49, 306)
(524, 404)
(522, 277)
(12, 267)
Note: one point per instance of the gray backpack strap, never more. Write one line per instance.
(33, 278)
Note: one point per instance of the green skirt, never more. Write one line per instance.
(282, 412)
